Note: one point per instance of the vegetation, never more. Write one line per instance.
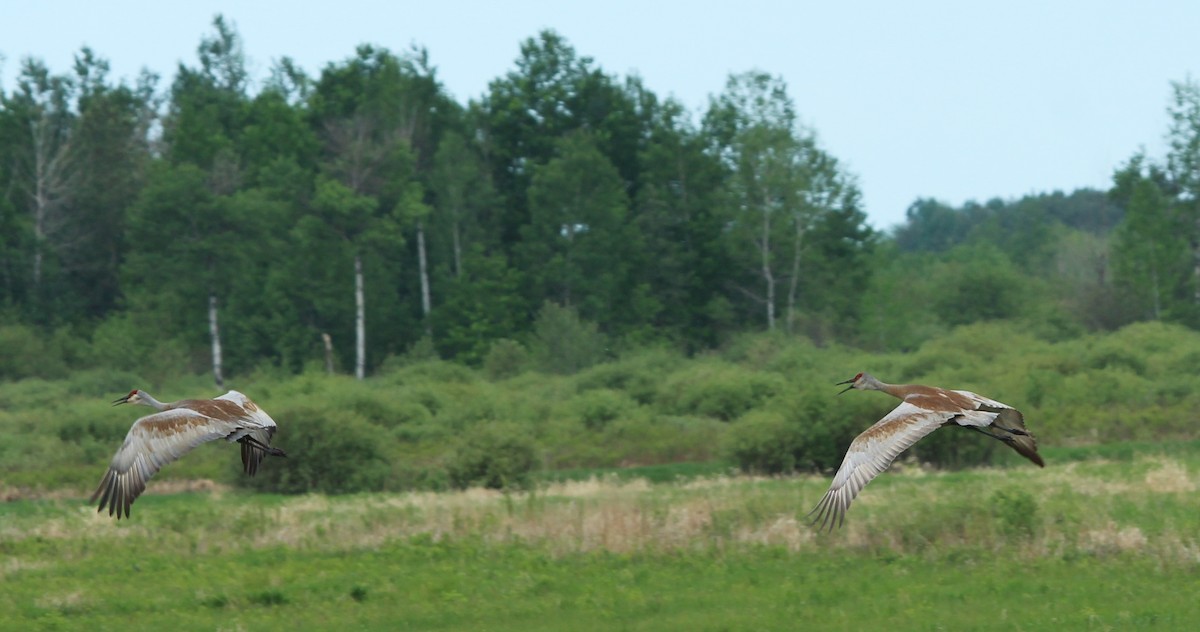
(1086, 543)
(352, 218)
(764, 403)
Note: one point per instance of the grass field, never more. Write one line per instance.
(1104, 539)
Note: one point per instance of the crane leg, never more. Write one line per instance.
(266, 448)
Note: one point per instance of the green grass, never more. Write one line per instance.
(425, 585)
(1086, 544)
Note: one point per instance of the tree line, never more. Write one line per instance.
(361, 214)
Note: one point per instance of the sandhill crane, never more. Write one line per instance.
(922, 410)
(158, 439)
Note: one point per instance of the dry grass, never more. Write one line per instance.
(1081, 508)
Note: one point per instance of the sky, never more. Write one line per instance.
(950, 100)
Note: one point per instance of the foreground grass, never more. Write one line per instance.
(1092, 544)
(469, 585)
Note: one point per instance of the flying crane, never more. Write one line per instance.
(922, 410)
(158, 439)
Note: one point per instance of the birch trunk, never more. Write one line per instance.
(328, 341)
(457, 251)
(215, 333)
(765, 249)
(426, 304)
(360, 321)
(795, 281)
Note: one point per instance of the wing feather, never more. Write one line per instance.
(152, 442)
(870, 454)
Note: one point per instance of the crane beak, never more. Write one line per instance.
(121, 400)
(849, 381)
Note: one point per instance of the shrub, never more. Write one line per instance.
(329, 451)
(1015, 512)
(764, 443)
(507, 358)
(721, 391)
(24, 354)
(496, 456)
(563, 343)
(597, 408)
(637, 374)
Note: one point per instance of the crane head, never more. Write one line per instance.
(852, 382)
(132, 398)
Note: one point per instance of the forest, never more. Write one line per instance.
(222, 222)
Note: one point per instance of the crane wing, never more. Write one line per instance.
(871, 453)
(152, 442)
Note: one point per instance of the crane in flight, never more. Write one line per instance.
(922, 410)
(177, 427)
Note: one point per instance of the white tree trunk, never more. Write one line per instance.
(51, 182)
(360, 322)
(457, 250)
(215, 333)
(325, 338)
(795, 280)
(426, 304)
(768, 276)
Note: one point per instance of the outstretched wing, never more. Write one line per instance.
(871, 453)
(152, 442)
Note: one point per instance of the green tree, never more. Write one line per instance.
(575, 248)
(478, 307)
(463, 193)
(207, 109)
(678, 213)
(371, 110)
(1150, 250)
(1183, 168)
(781, 188)
(112, 147)
(552, 92)
(45, 178)
(177, 253)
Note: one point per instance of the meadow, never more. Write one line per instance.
(1096, 541)
(650, 492)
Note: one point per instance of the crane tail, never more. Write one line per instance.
(1009, 427)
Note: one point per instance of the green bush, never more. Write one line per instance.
(1015, 512)
(506, 358)
(717, 390)
(24, 354)
(595, 409)
(496, 456)
(329, 451)
(764, 442)
(637, 374)
(563, 343)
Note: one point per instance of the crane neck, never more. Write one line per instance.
(899, 391)
(148, 400)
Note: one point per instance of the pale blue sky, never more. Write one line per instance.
(952, 100)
